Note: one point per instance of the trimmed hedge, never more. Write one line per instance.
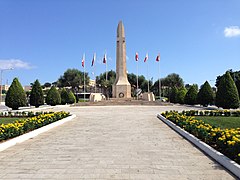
(22, 126)
(235, 113)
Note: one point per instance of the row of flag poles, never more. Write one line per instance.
(146, 61)
(136, 58)
(93, 62)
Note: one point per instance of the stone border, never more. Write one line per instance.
(229, 164)
(31, 134)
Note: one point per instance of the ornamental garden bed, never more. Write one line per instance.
(224, 140)
(26, 124)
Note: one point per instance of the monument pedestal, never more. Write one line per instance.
(121, 91)
(148, 96)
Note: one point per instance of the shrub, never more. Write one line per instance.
(173, 95)
(53, 97)
(36, 95)
(71, 97)
(181, 95)
(205, 95)
(64, 96)
(191, 96)
(16, 96)
(67, 97)
(227, 94)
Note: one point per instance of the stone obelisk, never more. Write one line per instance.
(121, 87)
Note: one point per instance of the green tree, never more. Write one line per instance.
(64, 96)
(172, 80)
(142, 83)
(16, 96)
(73, 78)
(106, 85)
(53, 97)
(36, 95)
(235, 76)
(227, 94)
(181, 95)
(191, 95)
(71, 97)
(167, 84)
(205, 95)
(173, 95)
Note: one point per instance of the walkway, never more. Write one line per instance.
(125, 142)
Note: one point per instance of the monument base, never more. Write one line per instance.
(148, 96)
(121, 91)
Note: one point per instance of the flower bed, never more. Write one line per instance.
(22, 126)
(226, 141)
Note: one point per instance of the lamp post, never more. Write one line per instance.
(1, 71)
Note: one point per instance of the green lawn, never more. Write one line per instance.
(222, 122)
(8, 120)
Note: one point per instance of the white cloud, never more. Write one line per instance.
(232, 31)
(14, 63)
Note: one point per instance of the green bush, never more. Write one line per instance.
(36, 95)
(64, 96)
(181, 95)
(227, 94)
(53, 97)
(173, 94)
(191, 96)
(71, 97)
(16, 96)
(205, 95)
(67, 97)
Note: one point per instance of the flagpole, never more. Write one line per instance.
(148, 76)
(84, 78)
(159, 81)
(137, 81)
(106, 66)
(94, 58)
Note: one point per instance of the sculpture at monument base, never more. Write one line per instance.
(121, 88)
(148, 96)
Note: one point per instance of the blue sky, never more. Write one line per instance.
(199, 40)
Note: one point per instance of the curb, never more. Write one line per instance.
(24, 137)
(229, 164)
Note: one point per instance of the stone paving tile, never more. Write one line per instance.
(126, 142)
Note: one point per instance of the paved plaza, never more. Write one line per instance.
(110, 142)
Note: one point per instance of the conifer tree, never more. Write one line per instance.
(53, 97)
(16, 96)
(227, 94)
(36, 95)
(191, 96)
(173, 95)
(71, 97)
(64, 96)
(181, 95)
(205, 95)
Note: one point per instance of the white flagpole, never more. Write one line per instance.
(94, 56)
(137, 80)
(147, 72)
(84, 77)
(159, 81)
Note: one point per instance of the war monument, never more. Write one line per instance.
(121, 87)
